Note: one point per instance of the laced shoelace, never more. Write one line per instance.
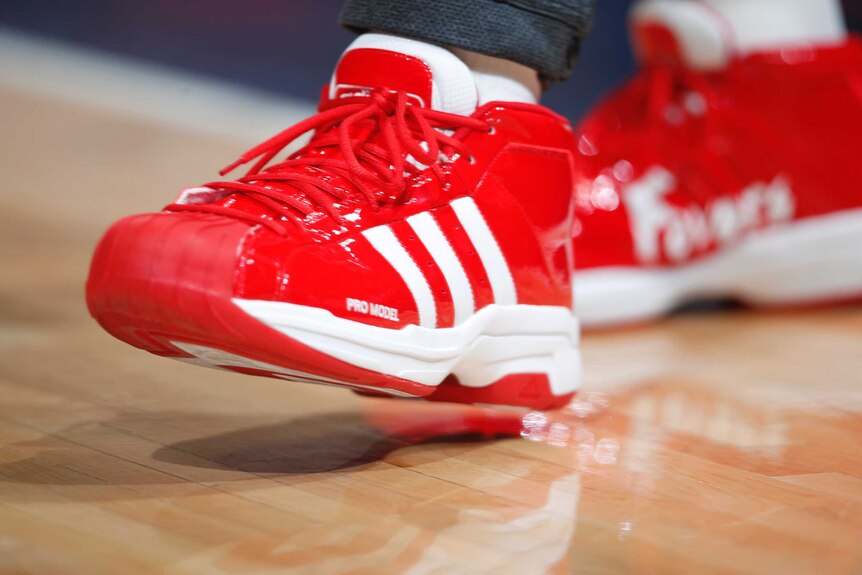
(376, 140)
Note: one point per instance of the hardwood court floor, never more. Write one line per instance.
(710, 443)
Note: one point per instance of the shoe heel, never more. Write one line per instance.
(529, 381)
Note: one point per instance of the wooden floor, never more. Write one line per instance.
(712, 443)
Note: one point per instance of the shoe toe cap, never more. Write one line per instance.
(154, 265)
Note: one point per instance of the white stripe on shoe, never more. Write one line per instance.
(447, 261)
(499, 275)
(383, 239)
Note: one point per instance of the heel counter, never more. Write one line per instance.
(528, 194)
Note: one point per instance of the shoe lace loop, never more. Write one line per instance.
(376, 146)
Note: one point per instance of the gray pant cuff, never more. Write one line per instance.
(513, 32)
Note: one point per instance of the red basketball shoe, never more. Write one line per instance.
(711, 175)
(417, 246)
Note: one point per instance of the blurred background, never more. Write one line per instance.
(284, 48)
(278, 46)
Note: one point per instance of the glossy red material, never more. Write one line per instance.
(293, 231)
(364, 67)
(528, 154)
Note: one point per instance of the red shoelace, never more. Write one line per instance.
(376, 139)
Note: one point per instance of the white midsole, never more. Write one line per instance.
(807, 260)
(496, 341)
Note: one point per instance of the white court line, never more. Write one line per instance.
(142, 91)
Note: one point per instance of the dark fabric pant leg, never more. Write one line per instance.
(544, 35)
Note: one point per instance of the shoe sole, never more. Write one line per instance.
(503, 355)
(148, 293)
(808, 262)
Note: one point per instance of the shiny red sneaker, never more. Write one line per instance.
(417, 246)
(715, 176)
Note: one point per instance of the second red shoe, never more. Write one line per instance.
(418, 246)
(716, 175)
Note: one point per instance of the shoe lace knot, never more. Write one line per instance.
(368, 150)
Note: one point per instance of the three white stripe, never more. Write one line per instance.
(500, 277)
(447, 260)
(502, 284)
(384, 241)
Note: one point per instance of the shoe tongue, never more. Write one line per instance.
(687, 34)
(433, 76)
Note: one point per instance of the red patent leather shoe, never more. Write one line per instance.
(417, 246)
(715, 176)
